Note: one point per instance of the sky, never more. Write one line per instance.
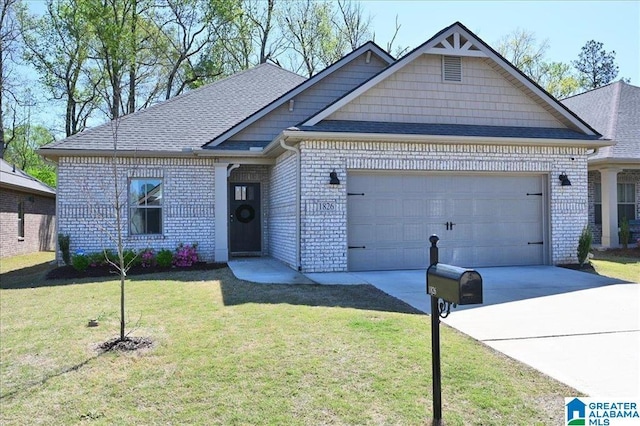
(566, 25)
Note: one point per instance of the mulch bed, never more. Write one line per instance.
(587, 267)
(126, 345)
(67, 272)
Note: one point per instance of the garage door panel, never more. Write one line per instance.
(387, 232)
(363, 208)
(495, 219)
(388, 207)
(359, 234)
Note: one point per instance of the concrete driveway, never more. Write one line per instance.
(579, 328)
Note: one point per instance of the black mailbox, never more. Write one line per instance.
(454, 284)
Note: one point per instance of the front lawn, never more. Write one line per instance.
(622, 264)
(230, 352)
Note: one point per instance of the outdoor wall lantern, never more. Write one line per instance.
(333, 178)
(564, 179)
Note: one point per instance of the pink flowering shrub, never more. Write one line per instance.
(185, 255)
(148, 258)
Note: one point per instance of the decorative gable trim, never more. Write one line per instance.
(368, 47)
(456, 44)
(460, 45)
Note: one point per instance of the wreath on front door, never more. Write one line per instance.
(245, 213)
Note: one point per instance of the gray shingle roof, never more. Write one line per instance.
(444, 130)
(614, 111)
(17, 179)
(192, 119)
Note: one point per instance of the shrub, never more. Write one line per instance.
(96, 259)
(185, 255)
(584, 245)
(148, 258)
(112, 256)
(64, 241)
(164, 258)
(131, 258)
(80, 262)
(625, 232)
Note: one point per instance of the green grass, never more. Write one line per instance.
(230, 352)
(34, 261)
(624, 265)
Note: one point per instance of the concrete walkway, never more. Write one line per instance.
(582, 329)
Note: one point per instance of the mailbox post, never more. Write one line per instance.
(447, 285)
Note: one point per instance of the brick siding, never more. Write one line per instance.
(282, 213)
(86, 194)
(39, 223)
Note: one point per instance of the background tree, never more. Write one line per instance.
(9, 54)
(190, 28)
(521, 48)
(596, 66)
(22, 152)
(57, 46)
(559, 79)
(319, 34)
(266, 35)
(352, 23)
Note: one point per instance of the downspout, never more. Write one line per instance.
(296, 151)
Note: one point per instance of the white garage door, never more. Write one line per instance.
(482, 220)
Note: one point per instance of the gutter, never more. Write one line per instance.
(296, 152)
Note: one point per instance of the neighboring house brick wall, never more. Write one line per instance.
(282, 210)
(256, 174)
(39, 223)
(86, 191)
(313, 99)
(417, 94)
(324, 241)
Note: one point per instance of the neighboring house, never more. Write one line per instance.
(27, 213)
(351, 169)
(614, 171)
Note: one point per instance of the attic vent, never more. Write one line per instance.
(452, 68)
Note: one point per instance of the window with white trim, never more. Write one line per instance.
(145, 206)
(626, 202)
(21, 220)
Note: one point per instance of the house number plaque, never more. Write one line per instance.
(320, 207)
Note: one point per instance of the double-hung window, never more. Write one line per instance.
(21, 220)
(145, 206)
(626, 202)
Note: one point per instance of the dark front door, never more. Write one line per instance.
(244, 208)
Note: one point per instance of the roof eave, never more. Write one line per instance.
(618, 163)
(55, 153)
(27, 189)
(297, 136)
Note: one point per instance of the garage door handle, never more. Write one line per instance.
(360, 247)
(537, 242)
(355, 193)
